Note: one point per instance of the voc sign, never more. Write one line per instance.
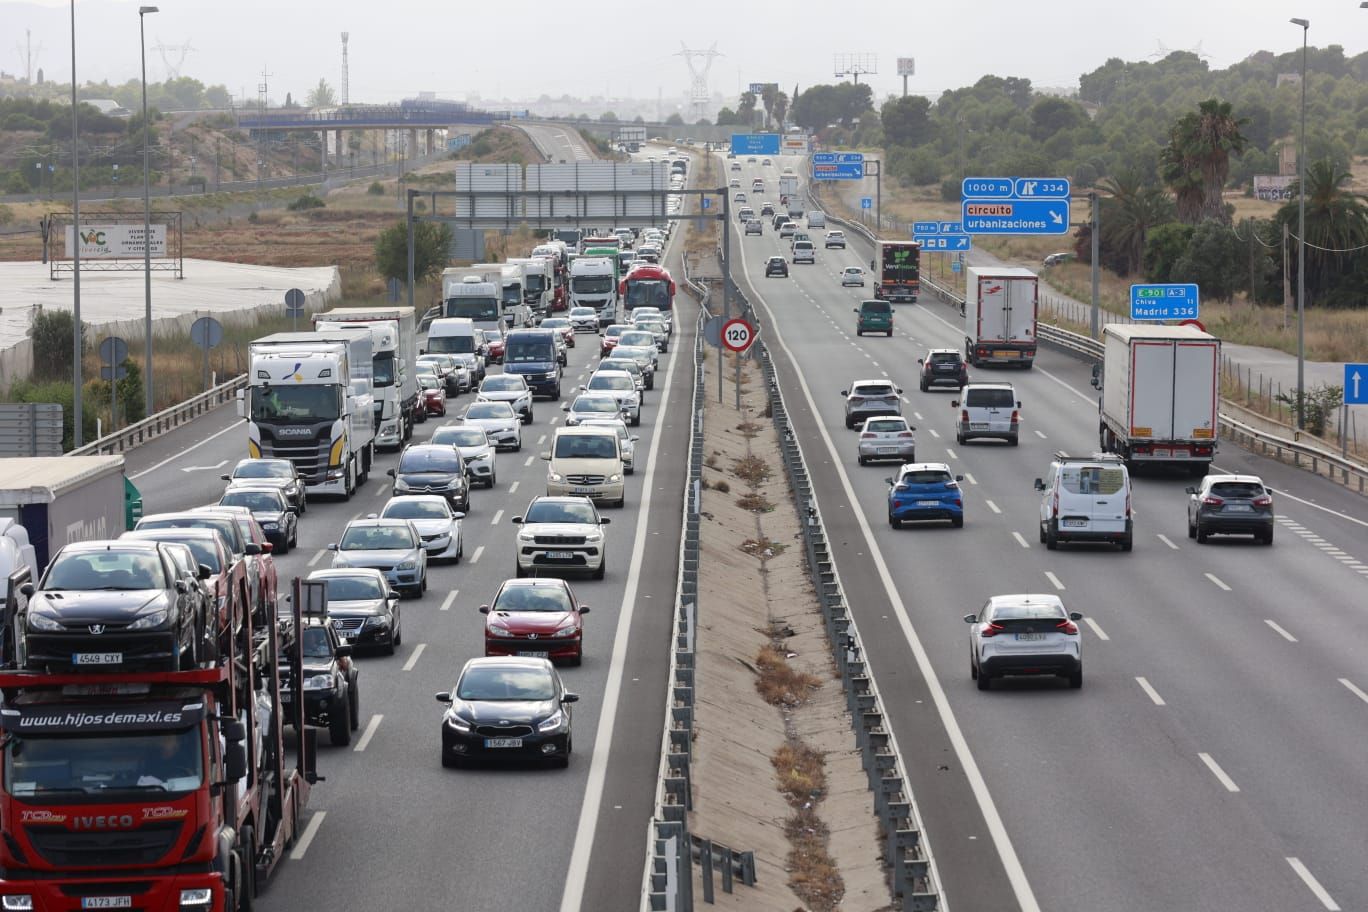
(1164, 302)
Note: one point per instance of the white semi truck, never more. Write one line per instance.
(539, 283)
(1000, 315)
(512, 308)
(394, 342)
(593, 283)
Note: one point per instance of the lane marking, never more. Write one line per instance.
(1054, 580)
(1219, 773)
(369, 733)
(307, 838)
(970, 478)
(951, 453)
(380, 491)
(1041, 436)
(513, 487)
(236, 425)
(1165, 539)
(498, 515)
(1217, 581)
(474, 558)
(994, 507)
(1326, 901)
(529, 461)
(1277, 628)
(934, 433)
(1150, 692)
(1096, 629)
(919, 416)
(1021, 540)
(413, 659)
(317, 557)
(449, 600)
(541, 440)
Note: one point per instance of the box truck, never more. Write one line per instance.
(62, 499)
(394, 342)
(1000, 315)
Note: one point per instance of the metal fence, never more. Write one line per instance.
(167, 419)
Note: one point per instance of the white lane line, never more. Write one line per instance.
(498, 515)
(381, 491)
(369, 733)
(554, 419)
(413, 659)
(906, 401)
(1278, 629)
(191, 448)
(994, 507)
(541, 440)
(1165, 539)
(1041, 436)
(934, 433)
(449, 600)
(1219, 773)
(1216, 580)
(951, 453)
(1326, 901)
(970, 478)
(1096, 629)
(572, 897)
(1354, 689)
(474, 558)
(529, 461)
(1021, 540)
(317, 557)
(1316, 505)
(1054, 581)
(513, 488)
(919, 416)
(1150, 691)
(307, 838)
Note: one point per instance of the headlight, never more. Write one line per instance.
(149, 621)
(457, 723)
(569, 630)
(406, 565)
(270, 525)
(614, 479)
(594, 536)
(17, 901)
(556, 721)
(552, 476)
(375, 620)
(197, 897)
(526, 537)
(43, 622)
(318, 682)
(495, 630)
(400, 484)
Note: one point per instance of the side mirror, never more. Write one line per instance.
(959, 478)
(484, 609)
(332, 546)
(1190, 490)
(1075, 615)
(569, 698)
(1040, 484)
(235, 758)
(854, 310)
(203, 571)
(546, 457)
(390, 473)
(954, 403)
(443, 697)
(1018, 402)
(251, 548)
(603, 520)
(971, 619)
(921, 360)
(845, 392)
(27, 589)
(343, 650)
(517, 520)
(899, 389)
(226, 477)
(458, 516)
(888, 481)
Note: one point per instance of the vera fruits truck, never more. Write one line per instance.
(898, 271)
(305, 403)
(393, 343)
(1000, 315)
(1161, 396)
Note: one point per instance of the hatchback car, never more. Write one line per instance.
(510, 388)
(561, 533)
(392, 546)
(943, 367)
(835, 239)
(611, 333)
(767, 210)
(270, 509)
(1230, 505)
(630, 365)
(925, 491)
(427, 468)
(776, 266)
(507, 707)
(279, 472)
(656, 328)
(644, 355)
(454, 376)
(755, 226)
(988, 410)
(362, 609)
(852, 275)
(1024, 635)
(438, 525)
(739, 198)
(887, 438)
(787, 230)
(869, 399)
(432, 393)
(499, 421)
(584, 319)
(535, 618)
(478, 454)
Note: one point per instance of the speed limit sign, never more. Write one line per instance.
(737, 335)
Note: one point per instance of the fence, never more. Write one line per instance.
(140, 432)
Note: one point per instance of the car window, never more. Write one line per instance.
(1086, 479)
(1238, 489)
(226, 527)
(502, 383)
(945, 357)
(886, 425)
(106, 570)
(353, 588)
(600, 382)
(316, 644)
(637, 337)
(875, 307)
(533, 598)
(873, 389)
(490, 410)
(990, 398)
(550, 511)
(926, 477)
(263, 469)
(376, 538)
(461, 437)
(505, 683)
(204, 552)
(431, 459)
(256, 501)
(413, 508)
(1027, 612)
(595, 446)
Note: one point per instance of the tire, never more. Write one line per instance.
(889, 334)
(354, 705)
(1202, 535)
(1128, 542)
(1012, 441)
(398, 637)
(602, 570)
(924, 387)
(859, 332)
(518, 571)
(893, 522)
(1076, 679)
(1040, 527)
(493, 479)
(1192, 530)
(863, 461)
(246, 898)
(392, 645)
(1051, 536)
(450, 763)
(959, 438)
(636, 421)
(984, 681)
(957, 522)
(1266, 538)
(339, 727)
(973, 669)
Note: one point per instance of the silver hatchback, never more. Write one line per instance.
(887, 438)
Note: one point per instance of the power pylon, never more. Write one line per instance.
(699, 96)
(181, 51)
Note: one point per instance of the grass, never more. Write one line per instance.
(755, 503)
(751, 469)
(813, 873)
(778, 683)
(801, 772)
(756, 547)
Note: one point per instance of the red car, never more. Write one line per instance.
(536, 617)
(610, 337)
(434, 394)
(561, 325)
(495, 341)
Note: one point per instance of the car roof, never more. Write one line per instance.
(1235, 479)
(1027, 598)
(113, 544)
(611, 371)
(423, 498)
(942, 351)
(339, 572)
(561, 499)
(412, 447)
(582, 429)
(156, 534)
(378, 521)
(508, 662)
(924, 467)
(534, 582)
(881, 381)
(253, 487)
(988, 384)
(270, 459)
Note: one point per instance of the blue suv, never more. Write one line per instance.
(532, 355)
(925, 491)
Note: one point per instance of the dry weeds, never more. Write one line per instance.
(751, 469)
(755, 503)
(778, 683)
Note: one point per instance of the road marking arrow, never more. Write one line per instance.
(217, 465)
(1356, 384)
(1055, 217)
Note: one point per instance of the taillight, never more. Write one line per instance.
(1211, 500)
(1015, 416)
(1067, 626)
(868, 436)
(908, 435)
(1055, 504)
(1263, 500)
(990, 629)
(964, 416)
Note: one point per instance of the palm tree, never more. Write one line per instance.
(1136, 208)
(1336, 222)
(1196, 161)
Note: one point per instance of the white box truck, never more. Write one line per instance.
(539, 283)
(394, 342)
(474, 293)
(1161, 391)
(509, 277)
(1000, 315)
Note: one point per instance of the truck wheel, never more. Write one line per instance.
(339, 726)
(247, 881)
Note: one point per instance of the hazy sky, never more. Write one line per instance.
(521, 50)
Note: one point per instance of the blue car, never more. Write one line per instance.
(925, 491)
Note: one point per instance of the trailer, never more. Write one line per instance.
(1000, 305)
(63, 499)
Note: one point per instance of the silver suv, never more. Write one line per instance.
(870, 399)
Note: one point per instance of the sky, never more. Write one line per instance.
(462, 49)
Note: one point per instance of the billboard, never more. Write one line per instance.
(1274, 188)
(112, 242)
(907, 66)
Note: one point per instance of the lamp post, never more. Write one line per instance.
(77, 408)
(147, 217)
(1301, 241)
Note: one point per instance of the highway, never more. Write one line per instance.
(1213, 758)
(390, 827)
(556, 143)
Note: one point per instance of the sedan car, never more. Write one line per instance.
(433, 393)
(943, 367)
(363, 610)
(476, 451)
(437, 524)
(535, 618)
(1024, 635)
(494, 345)
(584, 319)
(510, 388)
(621, 386)
(630, 365)
(564, 326)
(835, 239)
(428, 468)
(331, 678)
(643, 355)
(392, 546)
(585, 405)
(279, 472)
(561, 533)
(507, 707)
(787, 230)
(498, 420)
(626, 439)
(925, 491)
(887, 438)
(1230, 505)
(648, 312)
(270, 509)
(852, 275)
(611, 333)
(755, 226)
(776, 266)
(870, 398)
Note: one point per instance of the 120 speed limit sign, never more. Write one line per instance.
(737, 335)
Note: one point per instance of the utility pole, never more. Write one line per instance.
(1095, 236)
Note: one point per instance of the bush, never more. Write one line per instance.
(51, 332)
(950, 190)
(19, 121)
(307, 201)
(917, 167)
(376, 189)
(59, 391)
(6, 214)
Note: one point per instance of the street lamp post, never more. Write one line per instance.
(147, 218)
(1301, 241)
(77, 337)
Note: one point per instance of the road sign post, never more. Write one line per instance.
(207, 333)
(1163, 302)
(738, 335)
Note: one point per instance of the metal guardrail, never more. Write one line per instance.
(166, 420)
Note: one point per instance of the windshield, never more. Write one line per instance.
(460, 437)
(262, 468)
(512, 294)
(524, 350)
(489, 410)
(595, 446)
(558, 322)
(226, 527)
(296, 402)
(376, 538)
(503, 384)
(550, 511)
(90, 765)
(536, 283)
(90, 570)
(461, 345)
(205, 553)
(256, 501)
(533, 598)
(428, 380)
(505, 683)
(600, 382)
(477, 308)
(591, 284)
(430, 459)
(1027, 612)
(382, 369)
(637, 337)
(315, 642)
(415, 508)
(353, 588)
(945, 357)
(648, 292)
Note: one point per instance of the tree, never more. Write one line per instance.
(768, 94)
(1052, 115)
(745, 111)
(1127, 217)
(675, 120)
(321, 95)
(608, 117)
(432, 240)
(780, 109)
(289, 100)
(821, 105)
(1164, 246)
(1336, 221)
(726, 116)
(51, 332)
(1215, 259)
(1196, 161)
(907, 121)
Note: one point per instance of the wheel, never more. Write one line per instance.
(864, 461)
(1076, 679)
(889, 334)
(398, 630)
(518, 569)
(636, 420)
(602, 570)
(894, 522)
(517, 447)
(1266, 538)
(1201, 535)
(339, 727)
(449, 762)
(1192, 530)
(924, 387)
(493, 479)
(246, 897)
(422, 584)
(391, 645)
(294, 536)
(1128, 543)
(1040, 527)
(985, 682)
(354, 705)
(1051, 537)
(563, 762)
(530, 415)
(577, 660)
(859, 332)
(1012, 441)
(957, 522)
(973, 669)
(959, 438)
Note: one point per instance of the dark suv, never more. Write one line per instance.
(332, 699)
(532, 354)
(433, 468)
(776, 266)
(943, 366)
(1230, 505)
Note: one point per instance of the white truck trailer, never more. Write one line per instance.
(394, 343)
(1000, 315)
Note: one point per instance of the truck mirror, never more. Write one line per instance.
(1040, 484)
(240, 404)
(233, 730)
(235, 761)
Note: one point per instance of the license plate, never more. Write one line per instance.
(582, 490)
(534, 654)
(1029, 637)
(1239, 508)
(1163, 452)
(98, 658)
(503, 742)
(1075, 523)
(106, 902)
(888, 450)
(1006, 354)
(978, 426)
(560, 555)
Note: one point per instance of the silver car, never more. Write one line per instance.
(510, 388)
(584, 319)
(587, 405)
(657, 329)
(644, 355)
(626, 439)
(887, 438)
(473, 444)
(499, 422)
(654, 313)
(622, 387)
(392, 546)
(436, 522)
(631, 366)
(870, 399)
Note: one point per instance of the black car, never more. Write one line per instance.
(115, 606)
(279, 472)
(507, 706)
(426, 468)
(362, 608)
(943, 367)
(332, 698)
(776, 266)
(269, 508)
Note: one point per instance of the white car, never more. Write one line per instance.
(621, 386)
(499, 422)
(584, 319)
(656, 328)
(437, 524)
(887, 438)
(473, 444)
(586, 405)
(561, 533)
(510, 388)
(626, 439)
(654, 313)
(852, 275)
(1024, 635)
(987, 410)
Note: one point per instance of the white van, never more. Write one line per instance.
(586, 461)
(463, 340)
(1086, 498)
(987, 410)
(816, 219)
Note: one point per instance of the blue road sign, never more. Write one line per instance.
(755, 143)
(707, 203)
(838, 166)
(757, 88)
(987, 188)
(1040, 188)
(943, 242)
(1163, 302)
(955, 266)
(948, 228)
(1009, 216)
(866, 202)
(925, 228)
(1356, 384)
